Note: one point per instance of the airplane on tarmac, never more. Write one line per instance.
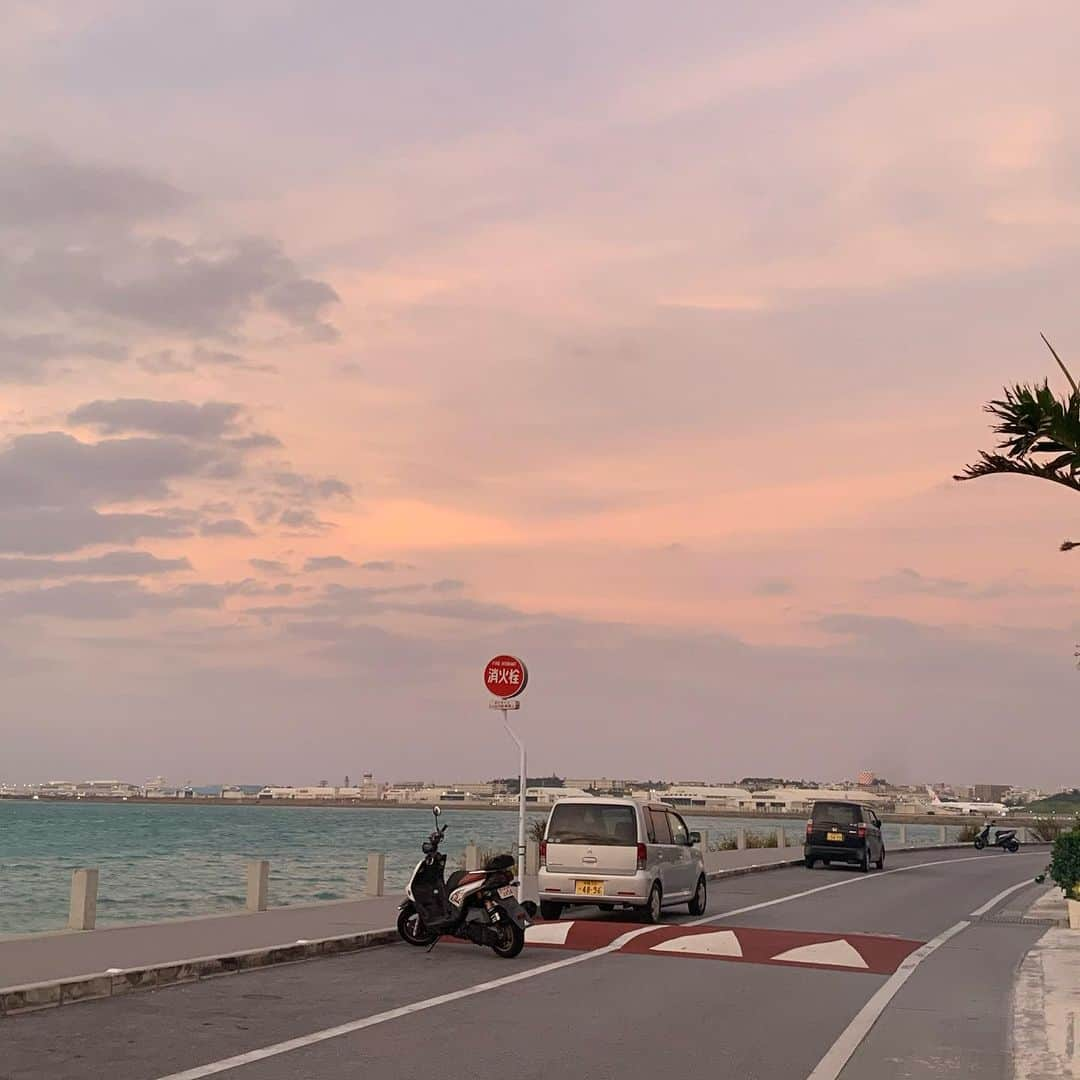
(950, 807)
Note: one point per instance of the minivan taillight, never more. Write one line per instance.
(809, 829)
(543, 854)
(862, 832)
(642, 856)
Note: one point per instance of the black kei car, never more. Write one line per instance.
(847, 832)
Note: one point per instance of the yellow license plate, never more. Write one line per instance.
(834, 836)
(589, 888)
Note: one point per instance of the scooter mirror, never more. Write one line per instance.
(436, 811)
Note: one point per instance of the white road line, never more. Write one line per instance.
(265, 1052)
(839, 884)
(276, 1049)
(838, 1055)
(1000, 896)
(831, 1065)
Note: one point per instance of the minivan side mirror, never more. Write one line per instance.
(695, 838)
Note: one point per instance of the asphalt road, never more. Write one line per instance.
(796, 974)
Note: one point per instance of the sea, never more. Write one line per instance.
(174, 860)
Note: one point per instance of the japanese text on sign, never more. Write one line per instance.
(505, 676)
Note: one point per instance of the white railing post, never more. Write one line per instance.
(82, 914)
(472, 857)
(258, 884)
(740, 840)
(375, 882)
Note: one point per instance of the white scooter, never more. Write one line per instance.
(474, 905)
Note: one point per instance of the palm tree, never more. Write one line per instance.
(1041, 436)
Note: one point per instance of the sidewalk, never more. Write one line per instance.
(69, 954)
(1046, 1003)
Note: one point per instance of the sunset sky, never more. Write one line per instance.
(344, 345)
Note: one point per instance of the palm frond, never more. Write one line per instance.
(1034, 420)
(1060, 364)
(1034, 423)
(1000, 465)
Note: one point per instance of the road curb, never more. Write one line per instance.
(33, 997)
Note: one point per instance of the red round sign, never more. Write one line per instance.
(505, 676)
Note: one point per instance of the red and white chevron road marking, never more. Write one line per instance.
(834, 952)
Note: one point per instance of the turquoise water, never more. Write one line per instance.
(171, 861)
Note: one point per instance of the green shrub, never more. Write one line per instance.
(761, 840)
(1065, 863)
(723, 843)
(482, 854)
(536, 829)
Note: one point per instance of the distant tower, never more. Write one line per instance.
(346, 781)
(866, 778)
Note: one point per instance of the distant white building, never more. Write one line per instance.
(367, 791)
(601, 785)
(88, 789)
(548, 796)
(800, 800)
(476, 789)
(413, 794)
(705, 797)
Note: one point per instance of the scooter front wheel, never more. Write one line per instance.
(979, 843)
(511, 940)
(410, 925)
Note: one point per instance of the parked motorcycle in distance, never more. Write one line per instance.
(1003, 838)
(474, 905)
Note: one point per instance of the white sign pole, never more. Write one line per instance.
(505, 677)
(521, 808)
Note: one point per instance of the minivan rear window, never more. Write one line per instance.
(582, 823)
(837, 813)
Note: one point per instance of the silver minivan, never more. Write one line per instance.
(619, 853)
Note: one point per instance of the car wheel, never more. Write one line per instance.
(880, 864)
(864, 862)
(826, 862)
(810, 863)
(652, 911)
(697, 905)
(550, 910)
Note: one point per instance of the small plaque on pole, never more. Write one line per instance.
(505, 706)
